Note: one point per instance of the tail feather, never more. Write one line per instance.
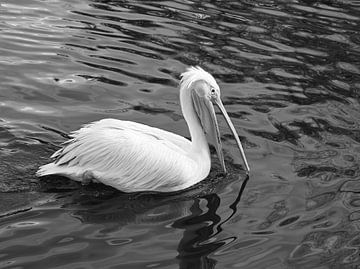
(47, 169)
(73, 173)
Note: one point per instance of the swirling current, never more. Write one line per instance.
(289, 73)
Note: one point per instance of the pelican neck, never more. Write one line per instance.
(198, 138)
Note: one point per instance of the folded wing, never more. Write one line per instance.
(125, 155)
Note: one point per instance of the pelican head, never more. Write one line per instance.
(204, 94)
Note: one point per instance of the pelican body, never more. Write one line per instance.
(132, 157)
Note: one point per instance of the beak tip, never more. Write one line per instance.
(224, 168)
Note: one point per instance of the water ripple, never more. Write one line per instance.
(290, 78)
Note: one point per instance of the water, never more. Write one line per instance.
(289, 72)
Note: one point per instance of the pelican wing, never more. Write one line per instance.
(125, 155)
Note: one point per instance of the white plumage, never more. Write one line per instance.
(135, 157)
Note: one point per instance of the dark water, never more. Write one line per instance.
(289, 72)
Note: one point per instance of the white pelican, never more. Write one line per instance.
(131, 157)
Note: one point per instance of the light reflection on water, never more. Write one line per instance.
(290, 79)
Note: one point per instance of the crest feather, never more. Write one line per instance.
(195, 73)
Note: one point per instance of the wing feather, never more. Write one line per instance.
(126, 155)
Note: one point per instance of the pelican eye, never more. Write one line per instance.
(213, 91)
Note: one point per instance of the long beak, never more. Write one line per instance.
(205, 110)
(218, 102)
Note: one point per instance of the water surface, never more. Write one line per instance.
(289, 73)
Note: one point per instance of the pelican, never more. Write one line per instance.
(133, 157)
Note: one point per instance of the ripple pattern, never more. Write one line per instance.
(290, 78)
